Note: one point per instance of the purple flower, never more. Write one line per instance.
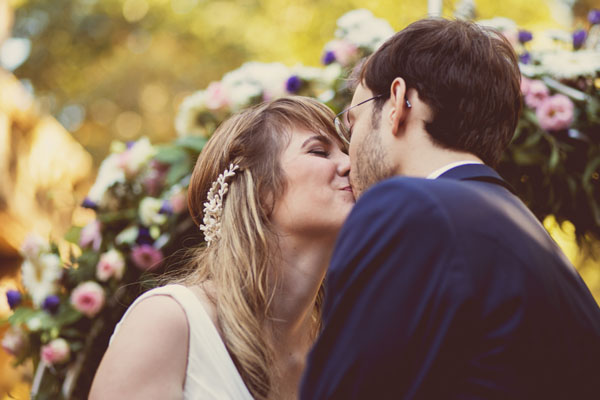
(166, 208)
(579, 37)
(87, 203)
(144, 236)
(293, 84)
(525, 58)
(146, 257)
(51, 304)
(328, 57)
(525, 36)
(594, 17)
(130, 144)
(14, 298)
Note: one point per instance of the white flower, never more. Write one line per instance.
(111, 264)
(186, 121)
(149, 211)
(501, 24)
(34, 323)
(40, 276)
(272, 77)
(569, 64)
(307, 73)
(240, 88)
(136, 157)
(110, 172)
(559, 35)
(354, 19)
(14, 341)
(127, 236)
(255, 79)
(363, 29)
(34, 245)
(331, 73)
(241, 94)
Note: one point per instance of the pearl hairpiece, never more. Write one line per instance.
(213, 207)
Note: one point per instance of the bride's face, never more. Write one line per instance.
(318, 195)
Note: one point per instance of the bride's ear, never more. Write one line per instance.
(400, 105)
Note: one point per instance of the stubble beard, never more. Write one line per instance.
(371, 164)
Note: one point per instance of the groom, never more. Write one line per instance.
(443, 285)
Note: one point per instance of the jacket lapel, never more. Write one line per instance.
(476, 172)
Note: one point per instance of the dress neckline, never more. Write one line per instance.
(216, 338)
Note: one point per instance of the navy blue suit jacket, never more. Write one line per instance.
(452, 289)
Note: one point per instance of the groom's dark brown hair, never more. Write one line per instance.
(467, 74)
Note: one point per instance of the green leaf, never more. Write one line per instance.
(67, 316)
(171, 155)
(589, 170)
(73, 234)
(178, 171)
(195, 143)
(114, 216)
(76, 346)
(532, 139)
(528, 158)
(554, 158)
(21, 315)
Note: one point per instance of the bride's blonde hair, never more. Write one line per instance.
(241, 264)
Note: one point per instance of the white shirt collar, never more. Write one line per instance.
(435, 174)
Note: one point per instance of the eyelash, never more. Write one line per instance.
(321, 153)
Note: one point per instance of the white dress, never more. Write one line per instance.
(211, 373)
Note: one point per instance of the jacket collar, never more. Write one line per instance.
(476, 172)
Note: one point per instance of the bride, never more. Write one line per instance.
(270, 192)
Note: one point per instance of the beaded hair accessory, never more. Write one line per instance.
(213, 207)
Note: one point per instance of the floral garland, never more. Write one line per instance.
(71, 300)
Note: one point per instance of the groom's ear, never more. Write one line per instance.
(400, 107)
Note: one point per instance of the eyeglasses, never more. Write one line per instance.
(342, 125)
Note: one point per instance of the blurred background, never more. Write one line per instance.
(75, 75)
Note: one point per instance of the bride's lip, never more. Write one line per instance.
(347, 188)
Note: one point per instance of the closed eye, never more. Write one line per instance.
(320, 153)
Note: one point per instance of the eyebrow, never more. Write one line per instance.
(320, 138)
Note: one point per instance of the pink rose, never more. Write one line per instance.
(216, 97)
(525, 85)
(555, 113)
(344, 52)
(14, 341)
(91, 235)
(178, 202)
(146, 257)
(88, 298)
(111, 264)
(56, 352)
(537, 93)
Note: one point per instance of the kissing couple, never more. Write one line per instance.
(438, 283)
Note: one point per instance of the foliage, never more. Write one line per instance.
(554, 159)
(140, 198)
(139, 195)
(118, 69)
